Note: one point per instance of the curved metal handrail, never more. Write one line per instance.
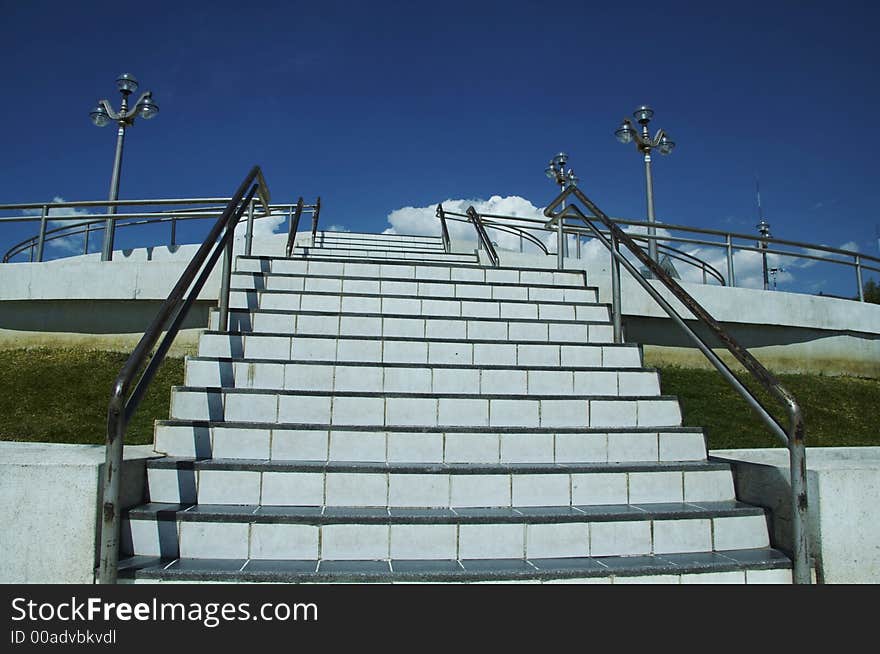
(483, 236)
(124, 399)
(293, 226)
(793, 437)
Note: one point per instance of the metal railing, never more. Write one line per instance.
(483, 237)
(126, 395)
(729, 243)
(793, 436)
(444, 230)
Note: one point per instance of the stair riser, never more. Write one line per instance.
(402, 255)
(302, 348)
(421, 447)
(417, 240)
(435, 290)
(440, 542)
(436, 490)
(369, 378)
(412, 272)
(356, 245)
(423, 412)
(333, 324)
(406, 306)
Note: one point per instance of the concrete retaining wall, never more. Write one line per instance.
(49, 508)
(843, 485)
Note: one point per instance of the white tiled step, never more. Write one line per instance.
(378, 410)
(536, 540)
(288, 443)
(417, 349)
(399, 240)
(294, 301)
(505, 332)
(371, 244)
(412, 288)
(419, 379)
(396, 255)
(414, 271)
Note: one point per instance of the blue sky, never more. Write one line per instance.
(376, 106)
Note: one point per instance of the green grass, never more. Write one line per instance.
(838, 411)
(61, 395)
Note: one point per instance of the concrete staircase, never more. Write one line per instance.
(381, 410)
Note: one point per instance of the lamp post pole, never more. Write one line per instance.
(764, 230)
(565, 178)
(102, 115)
(627, 133)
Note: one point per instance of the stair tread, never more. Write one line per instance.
(143, 567)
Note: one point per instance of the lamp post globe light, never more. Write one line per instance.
(627, 133)
(556, 171)
(102, 115)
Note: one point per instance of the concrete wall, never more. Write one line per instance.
(49, 506)
(843, 485)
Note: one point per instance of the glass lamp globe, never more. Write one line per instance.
(99, 116)
(126, 83)
(147, 108)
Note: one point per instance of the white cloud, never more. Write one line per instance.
(337, 228)
(64, 217)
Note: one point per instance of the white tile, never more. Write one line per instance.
(527, 448)
(413, 490)
(514, 413)
(595, 382)
(659, 413)
(731, 577)
(476, 291)
(258, 375)
(598, 488)
(357, 411)
(356, 489)
(308, 377)
(467, 275)
(183, 440)
(648, 487)
(282, 541)
(540, 294)
(557, 312)
(557, 540)
(638, 383)
(214, 540)
(438, 328)
(323, 285)
(708, 486)
(612, 413)
(486, 330)
(432, 272)
(682, 536)
(354, 542)
(461, 412)
(592, 313)
(434, 289)
(405, 380)
(321, 303)
(456, 380)
(233, 443)
(415, 447)
(768, 576)
(510, 293)
(278, 301)
(280, 323)
(581, 355)
(276, 283)
(251, 407)
(740, 532)
(411, 411)
(449, 353)
(538, 355)
(370, 270)
(541, 490)
(584, 448)
(503, 382)
(313, 349)
(528, 331)
(360, 325)
(364, 286)
(293, 489)
(479, 309)
(536, 277)
(357, 445)
(357, 378)
(299, 445)
(321, 325)
(400, 288)
(682, 447)
(632, 447)
(404, 352)
(629, 538)
(471, 448)
(229, 487)
(196, 405)
(441, 308)
(359, 350)
(567, 332)
(498, 354)
(325, 268)
(390, 271)
(304, 409)
(424, 542)
(479, 490)
(652, 580)
(401, 306)
(565, 413)
(267, 347)
(149, 538)
(173, 486)
(492, 541)
(550, 382)
(623, 356)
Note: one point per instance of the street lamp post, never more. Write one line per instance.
(764, 230)
(102, 115)
(556, 171)
(626, 133)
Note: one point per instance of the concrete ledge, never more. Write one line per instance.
(844, 516)
(49, 505)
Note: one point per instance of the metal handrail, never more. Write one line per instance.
(124, 400)
(482, 235)
(444, 230)
(293, 226)
(793, 437)
(315, 215)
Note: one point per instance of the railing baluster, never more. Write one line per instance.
(858, 260)
(616, 308)
(249, 234)
(41, 239)
(731, 279)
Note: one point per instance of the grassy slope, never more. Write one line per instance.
(61, 396)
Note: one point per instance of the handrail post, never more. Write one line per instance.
(444, 230)
(703, 268)
(616, 308)
(86, 238)
(249, 234)
(41, 241)
(731, 279)
(226, 275)
(858, 260)
(173, 231)
(315, 215)
(109, 553)
(560, 254)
